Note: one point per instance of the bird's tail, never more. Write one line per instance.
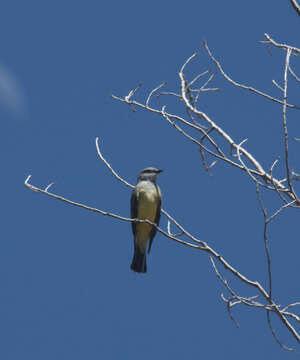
(139, 261)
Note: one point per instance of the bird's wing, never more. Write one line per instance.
(133, 208)
(157, 217)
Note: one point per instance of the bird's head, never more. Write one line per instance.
(149, 173)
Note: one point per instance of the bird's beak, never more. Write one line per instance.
(159, 171)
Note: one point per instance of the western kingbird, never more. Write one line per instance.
(145, 204)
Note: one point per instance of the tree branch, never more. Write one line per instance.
(295, 6)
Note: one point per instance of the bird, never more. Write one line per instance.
(145, 204)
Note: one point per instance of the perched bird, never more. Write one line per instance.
(145, 204)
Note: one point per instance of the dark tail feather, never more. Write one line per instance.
(139, 261)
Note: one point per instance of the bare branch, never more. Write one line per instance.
(278, 186)
(258, 92)
(206, 138)
(283, 46)
(168, 93)
(274, 183)
(290, 305)
(208, 81)
(216, 127)
(153, 91)
(132, 92)
(201, 245)
(109, 166)
(49, 186)
(106, 213)
(293, 74)
(198, 91)
(179, 129)
(278, 86)
(285, 130)
(295, 6)
(235, 300)
(244, 165)
(293, 316)
(275, 336)
(169, 230)
(197, 77)
(256, 172)
(267, 250)
(188, 60)
(279, 211)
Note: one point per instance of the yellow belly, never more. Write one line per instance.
(147, 208)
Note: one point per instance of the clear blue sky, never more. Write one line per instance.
(66, 289)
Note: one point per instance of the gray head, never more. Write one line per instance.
(150, 173)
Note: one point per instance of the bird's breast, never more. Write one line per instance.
(147, 203)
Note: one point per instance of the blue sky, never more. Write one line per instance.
(66, 289)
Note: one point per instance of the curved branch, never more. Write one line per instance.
(282, 46)
(201, 245)
(249, 88)
(189, 98)
(295, 6)
(105, 213)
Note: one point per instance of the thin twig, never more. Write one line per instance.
(275, 336)
(279, 211)
(106, 213)
(274, 183)
(249, 88)
(208, 81)
(197, 77)
(285, 130)
(153, 91)
(201, 245)
(132, 92)
(267, 249)
(278, 86)
(282, 46)
(293, 74)
(109, 166)
(296, 6)
(261, 173)
(228, 288)
(179, 129)
(168, 93)
(291, 305)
